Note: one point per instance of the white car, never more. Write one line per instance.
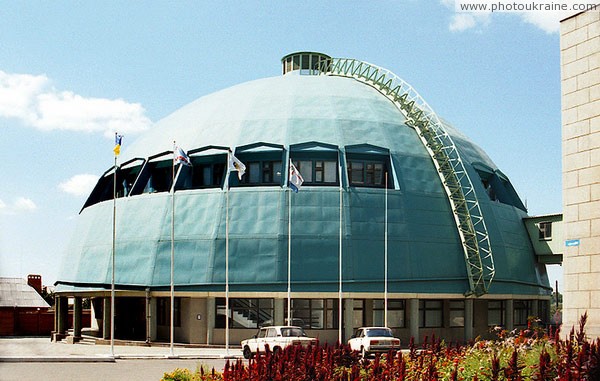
(277, 338)
(368, 340)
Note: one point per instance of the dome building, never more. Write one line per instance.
(401, 219)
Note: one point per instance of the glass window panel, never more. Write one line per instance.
(433, 318)
(357, 172)
(317, 319)
(330, 171)
(267, 172)
(300, 303)
(318, 171)
(206, 176)
(305, 169)
(317, 303)
(396, 318)
(253, 175)
(277, 172)
(305, 62)
(378, 174)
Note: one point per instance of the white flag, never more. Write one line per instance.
(236, 165)
(179, 156)
(296, 179)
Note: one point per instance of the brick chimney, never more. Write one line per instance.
(35, 281)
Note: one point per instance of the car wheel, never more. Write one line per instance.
(276, 350)
(247, 353)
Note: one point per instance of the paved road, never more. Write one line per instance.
(38, 359)
(132, 370)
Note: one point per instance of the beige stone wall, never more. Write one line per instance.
(580, 79)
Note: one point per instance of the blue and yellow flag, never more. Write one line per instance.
(117, 149)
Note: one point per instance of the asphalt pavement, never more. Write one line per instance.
(36, 358)
(41, 349)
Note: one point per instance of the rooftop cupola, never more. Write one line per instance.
(308, 63)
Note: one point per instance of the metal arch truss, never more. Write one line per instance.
(446, 158)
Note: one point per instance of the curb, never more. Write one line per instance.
(57, 359)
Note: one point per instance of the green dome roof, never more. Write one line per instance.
(311, 115)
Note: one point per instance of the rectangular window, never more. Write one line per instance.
(305, 169)
(457, 313)
(431, 313)
(245, 313)
(164, 312)
(314, 313)
(359, 313)
(317, 172)
(545, 231)
(522, 311)
(356, 172)
(366, 173)
(262, 172)
(396, 313)
(496, 313)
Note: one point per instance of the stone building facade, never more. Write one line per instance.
(580, 76)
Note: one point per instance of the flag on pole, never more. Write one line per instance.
(179, 156)
(295, 179)
(118, 139)
(236, 165)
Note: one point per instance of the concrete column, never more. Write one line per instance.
(368, 313)
(106, 319)
(468, 319)
(153, 319)
(278, 311)
(413, 319)
(148, 317)
(63, 315)
(77, 316)
(211, 315)
(535, 310)
(348, 320)
(510, 315)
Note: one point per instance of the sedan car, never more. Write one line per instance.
(276, 338)
(368, 340)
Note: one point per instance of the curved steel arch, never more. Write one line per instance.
(446, 158)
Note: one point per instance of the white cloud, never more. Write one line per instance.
(24, 204)
(33, 100)
(19, 205)
(548, 21)
(464, 21)
(79, 185)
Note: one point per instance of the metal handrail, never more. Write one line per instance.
(446, 158)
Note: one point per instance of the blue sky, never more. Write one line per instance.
(71, 73)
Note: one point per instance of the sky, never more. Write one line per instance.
(73, 73)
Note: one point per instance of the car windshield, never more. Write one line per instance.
(379, 332)
(292, 332)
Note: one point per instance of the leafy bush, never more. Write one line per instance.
(530, 354)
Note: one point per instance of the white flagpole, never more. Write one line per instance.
(385, 291)
(340, 264)
(227, 257)
(289, 269)
(112, 282)
(172, 327)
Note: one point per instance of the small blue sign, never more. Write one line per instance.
(572, 242)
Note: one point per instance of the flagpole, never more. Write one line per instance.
(340, 264)
(385, 291)
(289, 269)
(172, 325)
(227, 258)
(112, 282)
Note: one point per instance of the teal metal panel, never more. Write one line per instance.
(424, 249)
